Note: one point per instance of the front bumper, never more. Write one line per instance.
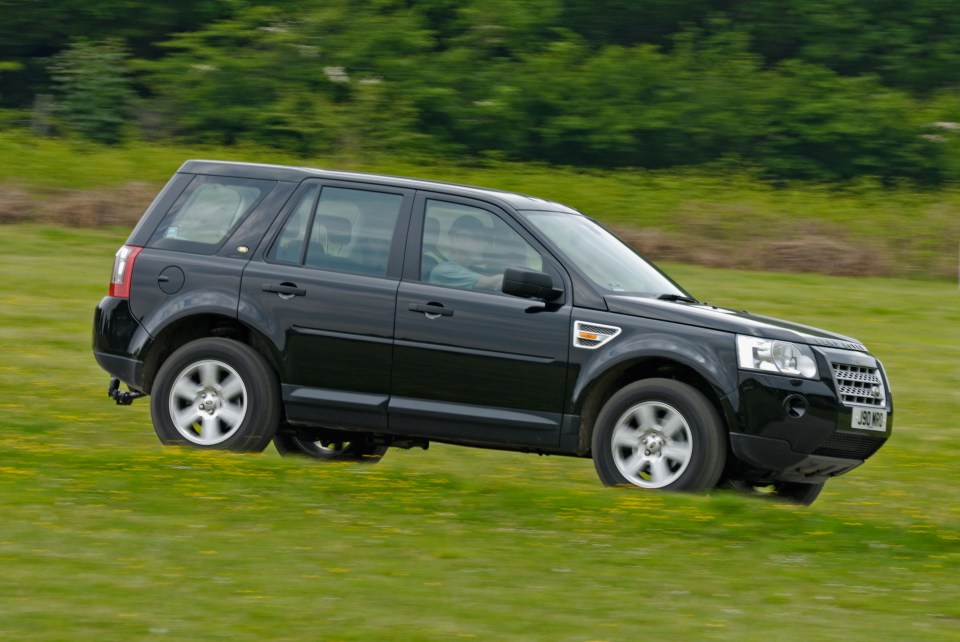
(792, 429)
(767, 459)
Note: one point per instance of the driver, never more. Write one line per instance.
(468, 237)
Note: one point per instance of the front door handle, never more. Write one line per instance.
(285, 290)
(431, 310)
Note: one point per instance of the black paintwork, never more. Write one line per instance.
(403, 358)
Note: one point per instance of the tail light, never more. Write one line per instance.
(123, 271)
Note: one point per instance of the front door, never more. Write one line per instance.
(471, 363)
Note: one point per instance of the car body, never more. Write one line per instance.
(341, 313)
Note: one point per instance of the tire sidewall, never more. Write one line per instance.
(262, 388)
(708, 437)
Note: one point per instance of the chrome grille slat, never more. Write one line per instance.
(859, 385)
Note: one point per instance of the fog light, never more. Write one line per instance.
(795, 406)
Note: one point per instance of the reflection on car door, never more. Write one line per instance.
(475, 364)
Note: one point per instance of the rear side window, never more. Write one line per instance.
(340, 229)
(207, 212)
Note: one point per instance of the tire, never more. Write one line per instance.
(335, 447)
(788, 492)
(216, 393)
(659, 434)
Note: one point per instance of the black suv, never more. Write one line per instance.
(339, 314)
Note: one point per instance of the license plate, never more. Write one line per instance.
(869, 419)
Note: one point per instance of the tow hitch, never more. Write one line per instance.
(122, 397)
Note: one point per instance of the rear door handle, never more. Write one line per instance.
(285, 290)
(431, 310)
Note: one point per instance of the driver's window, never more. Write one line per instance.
(468, 247)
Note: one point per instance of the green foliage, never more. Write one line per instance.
(827, 90)
(92, 88)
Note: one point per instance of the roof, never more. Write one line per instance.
(296, 174)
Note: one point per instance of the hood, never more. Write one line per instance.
(726, 320)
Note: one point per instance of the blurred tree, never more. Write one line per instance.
(92, 89)
(823, 89)
(31, 32)
(913, 45)
(615, 22)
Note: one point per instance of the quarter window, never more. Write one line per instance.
(207, 212)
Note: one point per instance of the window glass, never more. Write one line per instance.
(208, 211)
(288, 248)
(603, 258)
(348, 230)
(468, 247)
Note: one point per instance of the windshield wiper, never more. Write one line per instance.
(677, 297)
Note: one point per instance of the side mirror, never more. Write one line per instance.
(529, 284)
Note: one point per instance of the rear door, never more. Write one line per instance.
(324, 291)
(471, 363)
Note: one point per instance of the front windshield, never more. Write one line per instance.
(601, 257)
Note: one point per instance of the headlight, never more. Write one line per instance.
(782, 357)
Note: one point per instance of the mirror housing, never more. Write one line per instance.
(529, 284)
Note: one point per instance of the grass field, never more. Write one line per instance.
(105, 535)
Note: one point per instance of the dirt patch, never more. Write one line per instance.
(77, 208)
(16, 205)
(811, 251)
(97, 208)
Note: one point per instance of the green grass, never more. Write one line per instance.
(107, 535)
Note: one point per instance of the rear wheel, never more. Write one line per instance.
(335, 446)
(216, 393)
(659, 434)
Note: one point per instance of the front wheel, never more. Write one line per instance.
(216, 393)
(659, 434)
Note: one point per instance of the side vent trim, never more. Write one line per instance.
(591, 336)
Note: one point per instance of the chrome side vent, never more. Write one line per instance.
(592, 335)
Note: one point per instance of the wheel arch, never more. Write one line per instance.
(200, 326)
(623, 373)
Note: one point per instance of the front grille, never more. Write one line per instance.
(859, 385)
(849, 446)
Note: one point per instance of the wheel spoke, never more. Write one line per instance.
(676, 454)
(673, 425)
(184, 419)
(633, 464)
(232, 387)
(626, 437)
(232, 414)
(209, 428)
(646, 416)
(660, 472)
(184, 389)
(209, 374)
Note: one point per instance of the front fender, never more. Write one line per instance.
(708, 353)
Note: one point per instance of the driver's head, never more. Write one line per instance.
(468, 235)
